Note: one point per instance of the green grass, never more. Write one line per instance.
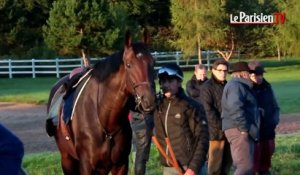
(42, 164)
(25, 90)
(285, 161)
(49, 163)
(284, 79)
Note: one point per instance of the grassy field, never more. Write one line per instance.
(285, 81)
(286, 160)
(25, 90)
(284, 76)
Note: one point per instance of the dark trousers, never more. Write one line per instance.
(11, 152)
(141, 137)
(263, 152)
(242, 150)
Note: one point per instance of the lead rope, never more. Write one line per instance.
(166, 128)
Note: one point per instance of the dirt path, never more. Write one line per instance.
(27, 121)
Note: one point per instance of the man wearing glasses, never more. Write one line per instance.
(219, 157)
(180, 125)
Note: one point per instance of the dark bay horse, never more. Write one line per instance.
(99, 130)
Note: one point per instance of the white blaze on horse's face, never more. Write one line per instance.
(139, 55)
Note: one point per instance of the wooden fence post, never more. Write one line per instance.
(208, 59)
(177, 58)
(9, 68)
(33, 67)
(57, 67)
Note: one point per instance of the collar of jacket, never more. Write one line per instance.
(263, 85)
(180, 94)
(198, 81)
(247, 82)
(213, 77)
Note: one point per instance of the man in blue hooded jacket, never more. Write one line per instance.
(240, 118)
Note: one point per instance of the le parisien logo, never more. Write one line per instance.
(243, 18)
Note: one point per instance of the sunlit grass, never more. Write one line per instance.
(286, 160)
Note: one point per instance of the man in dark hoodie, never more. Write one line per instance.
(219, 156)
(182, 120)
(269, 113)
(11, 152)
(194, 84)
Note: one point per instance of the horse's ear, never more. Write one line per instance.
(146, 38)
(128, 39)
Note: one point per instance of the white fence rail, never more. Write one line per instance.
(59, 67)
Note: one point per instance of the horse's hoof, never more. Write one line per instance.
(50, 128)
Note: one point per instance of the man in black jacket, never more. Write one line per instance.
(269, 111)
(182, 120)
(198, 79)
(219, 156)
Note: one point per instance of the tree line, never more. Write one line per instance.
(51, 28)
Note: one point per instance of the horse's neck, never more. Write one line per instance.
(113, 98)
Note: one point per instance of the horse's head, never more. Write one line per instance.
(139, 68)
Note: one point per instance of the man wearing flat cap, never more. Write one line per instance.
(240, 117)
(269, 113)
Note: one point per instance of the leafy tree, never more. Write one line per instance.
(155, 16)
(20, 25)
(88, 26)
(199, 24)
(287, 35)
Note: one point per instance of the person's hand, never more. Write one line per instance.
(189, 172)
(261, 112)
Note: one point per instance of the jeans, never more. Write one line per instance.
(141, 135)
(242, 151)
(11, 152)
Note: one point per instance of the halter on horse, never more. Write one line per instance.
(99, 130)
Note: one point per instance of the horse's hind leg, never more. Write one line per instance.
(69, 165)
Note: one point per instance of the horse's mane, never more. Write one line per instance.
(107, 66)
(111, 64)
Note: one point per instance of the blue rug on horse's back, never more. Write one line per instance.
(68, 105)
(74, 85)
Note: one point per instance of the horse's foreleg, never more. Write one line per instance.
(120, 170)
(85, 167)
(69, 164)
